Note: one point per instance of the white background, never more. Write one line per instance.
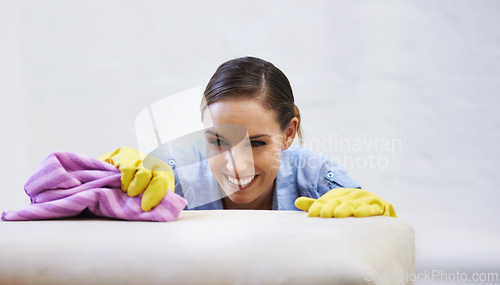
(74, 74)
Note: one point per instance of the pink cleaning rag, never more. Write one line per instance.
(65, 184)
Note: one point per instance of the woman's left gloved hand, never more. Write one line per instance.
(346, 202)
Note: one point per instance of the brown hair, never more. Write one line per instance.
(254, 78)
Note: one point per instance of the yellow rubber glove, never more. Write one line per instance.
(346, 202)
(136, 179)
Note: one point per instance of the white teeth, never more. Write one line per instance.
(242, 182)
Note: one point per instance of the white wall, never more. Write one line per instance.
(422, 74)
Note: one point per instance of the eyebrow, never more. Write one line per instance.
(214, 134)
(259, 136)
(221, 136)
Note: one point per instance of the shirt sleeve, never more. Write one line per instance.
(333, 176)
(319, 174)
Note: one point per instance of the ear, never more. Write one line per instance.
(289, 134)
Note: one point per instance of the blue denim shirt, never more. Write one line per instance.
(302, 173)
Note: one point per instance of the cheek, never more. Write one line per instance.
(215, 163)
(268, 160)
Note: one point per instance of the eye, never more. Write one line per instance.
(214, 142)
(257, 144)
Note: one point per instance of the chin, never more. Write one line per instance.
(240, 199)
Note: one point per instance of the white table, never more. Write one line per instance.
(208, 247)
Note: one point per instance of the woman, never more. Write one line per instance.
(269, 174)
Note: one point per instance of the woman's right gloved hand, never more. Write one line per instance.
(137, 179)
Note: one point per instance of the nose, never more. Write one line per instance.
(240, 161)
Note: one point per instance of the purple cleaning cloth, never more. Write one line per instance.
(65, 184)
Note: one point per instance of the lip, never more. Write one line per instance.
(238, 187)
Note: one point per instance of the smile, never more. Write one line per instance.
(241, 182)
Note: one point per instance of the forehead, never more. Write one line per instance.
(249, 113)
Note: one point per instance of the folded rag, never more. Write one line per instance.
(66, 184)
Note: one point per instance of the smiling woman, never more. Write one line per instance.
(252, 93)
(254, 177)
(250, 121)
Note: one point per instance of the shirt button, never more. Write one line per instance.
(171, 162)
(329, 175)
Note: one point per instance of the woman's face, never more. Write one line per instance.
(255, 163)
